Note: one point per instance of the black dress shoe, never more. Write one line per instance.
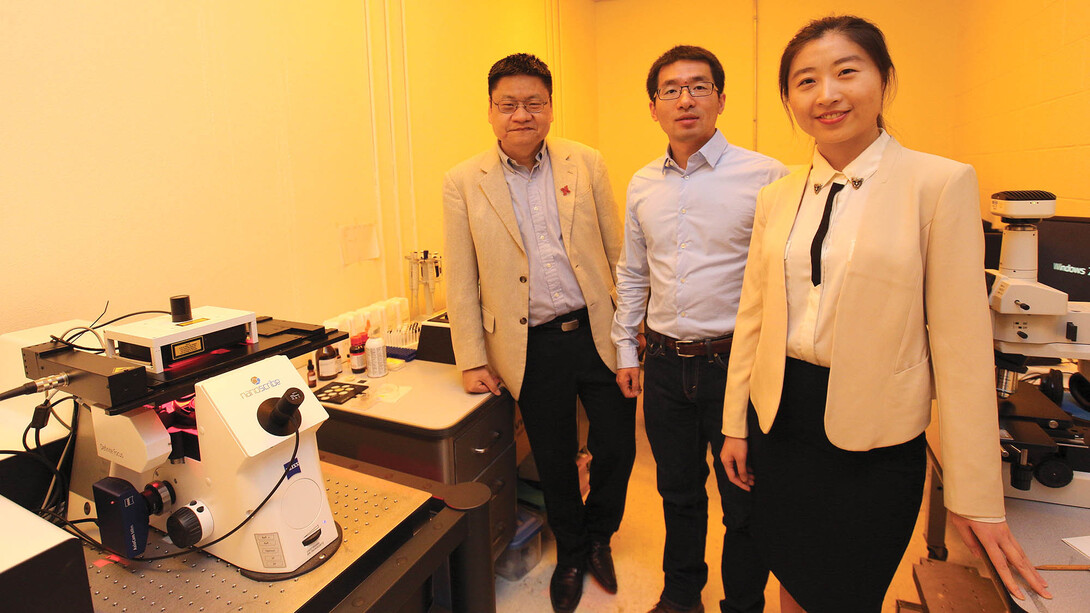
(600, 562)
(566, 588)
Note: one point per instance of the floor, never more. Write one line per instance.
(637, 555)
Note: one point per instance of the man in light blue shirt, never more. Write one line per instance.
(687, 226)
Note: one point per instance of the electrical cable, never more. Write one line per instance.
(101, 341)
(104, 309)
(39, 458)
(94, 327)
(133, 314)
(69, 444)
(53, 411)
(75, 346)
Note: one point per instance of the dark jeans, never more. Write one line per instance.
(683, 412)
(560, 366)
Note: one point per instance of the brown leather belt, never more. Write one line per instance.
(566, 323)
(701, 348)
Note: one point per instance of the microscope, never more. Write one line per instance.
(1044, 447)
(199, 426)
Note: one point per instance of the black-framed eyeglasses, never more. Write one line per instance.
(696, 90)
(508, 107)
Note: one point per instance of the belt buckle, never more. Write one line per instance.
(679, 346)
(568, 326)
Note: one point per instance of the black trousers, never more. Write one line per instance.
(683, 413)
(559, 367)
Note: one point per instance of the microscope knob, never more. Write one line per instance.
(184, 526)
(1053, 472)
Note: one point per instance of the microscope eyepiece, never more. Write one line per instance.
(280, 416)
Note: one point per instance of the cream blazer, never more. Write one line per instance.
(484, 249)
(911, 324)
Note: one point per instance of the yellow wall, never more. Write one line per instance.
(1023, 97)
(632, 33)
(219, 148)
(209, 148)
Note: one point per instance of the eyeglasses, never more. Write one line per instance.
(508, 107)
(696, 90)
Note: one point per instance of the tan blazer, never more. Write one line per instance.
(912, 323)
(483, 245)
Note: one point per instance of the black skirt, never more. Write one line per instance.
(831, 524)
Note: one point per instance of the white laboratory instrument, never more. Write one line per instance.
(246, 435)
(1046, 448)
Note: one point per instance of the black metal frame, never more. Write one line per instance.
(457, 534)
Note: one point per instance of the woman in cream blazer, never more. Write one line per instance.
(835, 450)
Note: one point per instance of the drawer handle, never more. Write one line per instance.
(488, 447)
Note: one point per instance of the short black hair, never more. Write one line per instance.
(856, 29)
(679, 53)
(520, 64)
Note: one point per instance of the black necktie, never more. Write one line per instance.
(819, 238)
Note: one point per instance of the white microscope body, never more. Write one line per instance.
(1033, 319)
(1028, 317)
(247, 423)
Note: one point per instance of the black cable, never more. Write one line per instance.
(104, 309)
(53, 411)
(70, 527)
(133, 314)
(56, 473)
(95, 326)
(26, 445)
(75, 346)
(20, 390)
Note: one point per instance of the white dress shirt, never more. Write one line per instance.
(686, 239)
(554, 290)
(811, 309)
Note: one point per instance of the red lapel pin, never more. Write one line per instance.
(564, 190)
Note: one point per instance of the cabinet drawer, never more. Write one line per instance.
(501, 477)
(483, 442)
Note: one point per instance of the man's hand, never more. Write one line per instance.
(480, 380)
(997, 541)
(628, 379)
(734, 454)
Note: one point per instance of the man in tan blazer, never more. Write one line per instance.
(532, 239)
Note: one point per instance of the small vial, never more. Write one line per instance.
(312, 377)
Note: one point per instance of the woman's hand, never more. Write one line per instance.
(733, 456)
(997, 541)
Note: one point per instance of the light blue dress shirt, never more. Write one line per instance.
(554, 290)
(685, 245)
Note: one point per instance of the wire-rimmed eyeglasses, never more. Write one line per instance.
(696, 90)
(508, 107)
